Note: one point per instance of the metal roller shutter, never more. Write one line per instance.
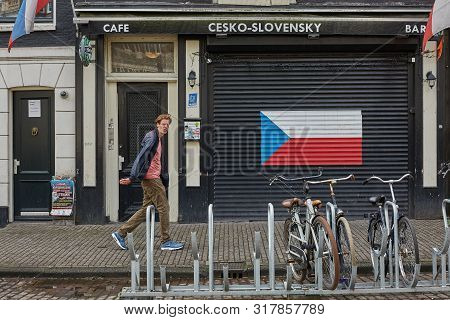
(297, 91)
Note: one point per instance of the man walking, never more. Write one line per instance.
(149, 169)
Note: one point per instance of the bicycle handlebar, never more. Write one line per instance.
(280, 177)
(388, 181)
(351, 176)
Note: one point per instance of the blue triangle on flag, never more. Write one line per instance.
(272, 138)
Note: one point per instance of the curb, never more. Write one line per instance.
(364, 268)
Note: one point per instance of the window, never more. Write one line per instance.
(142, 57)
(9, 9)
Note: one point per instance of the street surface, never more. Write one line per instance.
(97, 288)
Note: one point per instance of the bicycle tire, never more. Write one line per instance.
(346, 249)
(374, 237)
(298, 271)
(408, 250)
(330, 268)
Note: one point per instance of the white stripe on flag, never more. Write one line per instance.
(318, 123)
(441, 15)
(30, 14)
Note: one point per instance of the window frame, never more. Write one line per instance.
(43, 25)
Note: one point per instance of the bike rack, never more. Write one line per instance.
(443, 252)
(331, 218)
(285, 287)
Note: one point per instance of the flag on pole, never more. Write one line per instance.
(438, 20)
(25, 19)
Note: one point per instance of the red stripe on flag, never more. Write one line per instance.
(318, 151)
(428, 31)
(40, 5)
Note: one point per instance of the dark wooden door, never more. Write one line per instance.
(139, 106)
(33, 153)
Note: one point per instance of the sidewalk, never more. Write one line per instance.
(46, 248)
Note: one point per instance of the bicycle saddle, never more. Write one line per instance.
(377, 200)
(288, 203)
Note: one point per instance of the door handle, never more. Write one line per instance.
(121, 160)
(16, 165)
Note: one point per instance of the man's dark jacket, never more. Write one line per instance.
(140, 167)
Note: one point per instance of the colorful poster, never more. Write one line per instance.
(63, 197)
(192, 130)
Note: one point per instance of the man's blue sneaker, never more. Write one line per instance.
(120, 240)
(172, 245)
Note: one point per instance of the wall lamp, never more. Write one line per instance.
(192, 78)
(431, 79)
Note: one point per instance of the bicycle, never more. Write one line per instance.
(300, 234)
(342, 233)
(381, 236)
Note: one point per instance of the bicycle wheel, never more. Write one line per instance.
(408, 250)
(298, 265)
(330, 259)
(347, 252)
(375, 236)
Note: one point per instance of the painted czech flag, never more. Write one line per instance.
(25, 19)
(319, 137)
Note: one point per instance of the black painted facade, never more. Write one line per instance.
(193, 202)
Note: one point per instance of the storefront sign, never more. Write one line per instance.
(63, 195)
(116, 28)
(266, 27)
(246, 26)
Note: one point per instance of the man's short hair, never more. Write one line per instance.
(165, 116)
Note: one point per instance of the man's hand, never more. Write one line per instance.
(125, 181)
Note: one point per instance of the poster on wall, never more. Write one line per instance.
(63, 197)
(192, 130)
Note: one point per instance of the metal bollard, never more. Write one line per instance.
(257, 261)
(164, 284)
(196, 261)
(135, 268)
(271, 236)
(211, 246)
(150, 235)
(318, 258)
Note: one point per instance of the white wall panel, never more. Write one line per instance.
(4, 202)
(3, 100)
(429, 121)
(3, 124)
(3, 147)
(65, 104)
(50, 74)
(2, 82)
(67, 77)
(65, 123)
(65, 146)
(65, 167)
(12, 75)
(31, 74)
(4, 173)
